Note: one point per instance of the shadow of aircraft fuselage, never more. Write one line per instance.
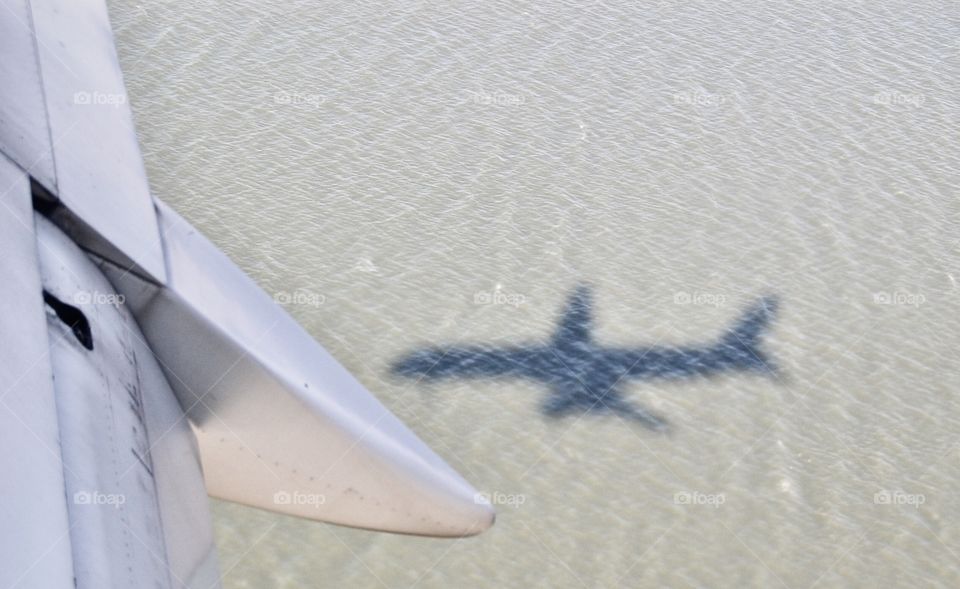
(583, 375)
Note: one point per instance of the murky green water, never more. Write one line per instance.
(438, 172)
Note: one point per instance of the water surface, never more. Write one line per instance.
(427, 173)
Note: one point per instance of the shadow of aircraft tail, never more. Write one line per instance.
(740, 346)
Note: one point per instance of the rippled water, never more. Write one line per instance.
(432, 173)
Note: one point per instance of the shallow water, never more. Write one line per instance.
(429, 173)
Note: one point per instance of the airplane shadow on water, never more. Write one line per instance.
(584, 376)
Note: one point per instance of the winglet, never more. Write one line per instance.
(280, 423)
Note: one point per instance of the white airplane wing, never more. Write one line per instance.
(142, 369)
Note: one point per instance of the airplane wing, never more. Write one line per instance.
(142, 369)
